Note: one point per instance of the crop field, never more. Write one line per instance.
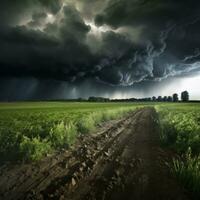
(180, 130)
(31, 130)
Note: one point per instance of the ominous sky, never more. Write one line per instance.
(111, 48)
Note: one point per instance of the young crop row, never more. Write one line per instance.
(29, 134)
(180, 130)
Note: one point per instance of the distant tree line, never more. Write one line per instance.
(98, 99)
(173, 98)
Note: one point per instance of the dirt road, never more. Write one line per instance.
(124, 161)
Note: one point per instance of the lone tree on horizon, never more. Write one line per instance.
(165, 98)
(169, 99)
(185, 96)
(159, 98)
(175, 97)
(153, 98)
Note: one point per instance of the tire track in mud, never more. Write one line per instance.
(124, 161)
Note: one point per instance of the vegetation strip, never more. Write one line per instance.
(180, 131)
(30, 131)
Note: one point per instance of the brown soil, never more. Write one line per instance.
(124, 161)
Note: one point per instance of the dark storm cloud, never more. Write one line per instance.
(147, 12)
(38, 19)
(27, 52)
(12, 12)
(58, 39)
(89, 8)
(72, 25)
(169, 43)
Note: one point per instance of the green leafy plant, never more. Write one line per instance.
(63, 135)
(86, 124)
(187, 171)
(181, 131)
(34, 149)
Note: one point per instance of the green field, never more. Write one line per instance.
(31, 130)
(180, 131)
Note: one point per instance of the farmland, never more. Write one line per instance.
(180, 131)
(31, 130)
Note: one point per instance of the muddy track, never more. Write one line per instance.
(124, 161)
